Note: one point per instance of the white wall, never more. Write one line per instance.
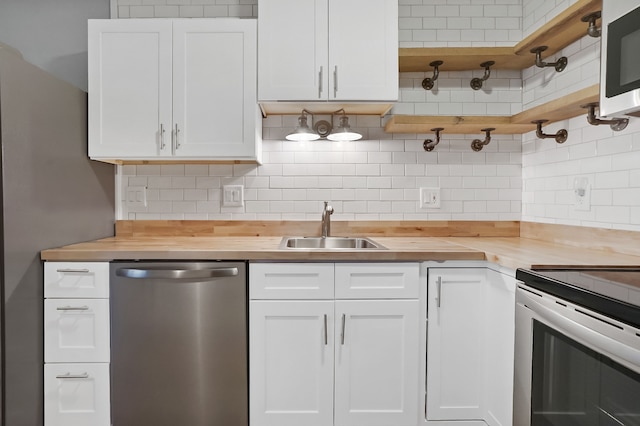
(609, 160)
(514, 177)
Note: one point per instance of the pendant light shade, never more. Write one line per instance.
(344, 132)
(303, 132)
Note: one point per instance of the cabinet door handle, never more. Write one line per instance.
(162, 137)
(320, 83)
(72, 308)
(71, 271)
(177, 139)
(73, 376)
(344, 322)
(326, 332)
(439, 292)
(335, 82)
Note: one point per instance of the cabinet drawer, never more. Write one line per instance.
(76, 279)
(291, 281)
(377, 280)
(76, 395)
(76, 330)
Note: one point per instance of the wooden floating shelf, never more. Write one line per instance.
(561, 31)
(556, 110)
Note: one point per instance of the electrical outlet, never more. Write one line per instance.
(233, 196)
(136, 196)
(430, 198)
(582, 194)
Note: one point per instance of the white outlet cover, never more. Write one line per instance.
(430, 198)
(582, 194)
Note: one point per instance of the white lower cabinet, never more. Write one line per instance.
(291, 362)
(328, 362)
(76, 344)
(376, 362)
(470, 335)
(76, 394)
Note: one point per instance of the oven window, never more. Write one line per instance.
(573, 385)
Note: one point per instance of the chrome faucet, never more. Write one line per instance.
(326, 220)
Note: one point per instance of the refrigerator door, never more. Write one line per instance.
(52, 195)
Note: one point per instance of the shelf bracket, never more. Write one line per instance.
(429, 144)
(616, 124)
(559, 65)
(591, 18)
(476, 83)
(427, 83)
(560, 136)
(477, 144)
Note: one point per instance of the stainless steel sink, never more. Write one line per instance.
(330, 243)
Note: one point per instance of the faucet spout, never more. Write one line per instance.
(326, 220)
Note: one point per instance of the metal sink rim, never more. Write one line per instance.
(330, 243)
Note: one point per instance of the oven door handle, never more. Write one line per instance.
(618, 351)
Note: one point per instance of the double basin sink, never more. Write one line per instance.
(330, 243)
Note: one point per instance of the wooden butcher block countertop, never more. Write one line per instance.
(510, 252)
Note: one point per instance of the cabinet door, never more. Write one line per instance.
(293, 50)
(76, 395)
(455, 344)
(76, 330)
(129, 88)
(291, 363)
(377, 362)
(363, 50)
(214, 88)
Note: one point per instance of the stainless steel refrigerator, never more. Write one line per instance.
(51, 194)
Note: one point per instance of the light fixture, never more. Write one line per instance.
(323, 129)
(343, 132)
(303, 132)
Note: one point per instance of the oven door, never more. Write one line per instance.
(574, 367)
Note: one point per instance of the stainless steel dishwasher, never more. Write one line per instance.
(179, 344)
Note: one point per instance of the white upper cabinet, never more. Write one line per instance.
(328, 50)
(176, 89)
(130, 67)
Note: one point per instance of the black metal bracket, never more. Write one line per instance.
(477, 144)
(591, 18)
(429, 144)
(476, 83)
(427, 83)
(616, 124)
(560, 136)
(559, 65)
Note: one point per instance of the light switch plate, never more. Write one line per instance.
(233, 196)
(430, 198)
(136, 196)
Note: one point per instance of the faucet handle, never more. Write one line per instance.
(328, 208)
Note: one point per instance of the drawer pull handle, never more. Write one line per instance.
(73, 376)
(326, 332)
(72, 308)
(76, 271)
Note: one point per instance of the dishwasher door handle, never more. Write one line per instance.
(154, 273)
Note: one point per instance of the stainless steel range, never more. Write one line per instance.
(577, 347)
